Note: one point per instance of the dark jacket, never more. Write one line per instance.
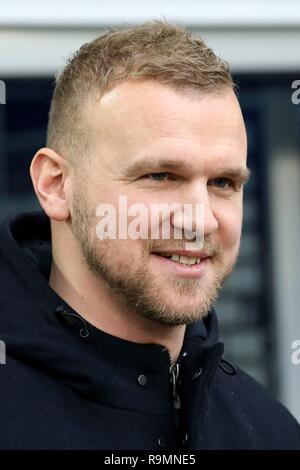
(68, 385)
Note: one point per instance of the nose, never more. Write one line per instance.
(196, 213)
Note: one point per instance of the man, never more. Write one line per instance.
(112, 341)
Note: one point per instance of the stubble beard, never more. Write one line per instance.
(139, 289)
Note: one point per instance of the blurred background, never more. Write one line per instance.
(259, 307)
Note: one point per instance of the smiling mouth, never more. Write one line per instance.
(181, 259)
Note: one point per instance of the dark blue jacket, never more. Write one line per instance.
(68, 385)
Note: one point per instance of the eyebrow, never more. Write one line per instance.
(242, 174)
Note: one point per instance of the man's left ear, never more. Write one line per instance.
(50, 174)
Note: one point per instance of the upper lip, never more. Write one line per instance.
(187, 253)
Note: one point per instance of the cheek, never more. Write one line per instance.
(230, 226)
(129, 251)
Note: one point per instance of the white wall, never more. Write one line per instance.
(36, 36)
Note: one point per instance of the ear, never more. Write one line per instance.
(50, 174)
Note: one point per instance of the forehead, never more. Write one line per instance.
(149, 118)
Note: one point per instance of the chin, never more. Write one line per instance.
(180, 319)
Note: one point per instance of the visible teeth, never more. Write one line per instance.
(182, 259)
(185, 259)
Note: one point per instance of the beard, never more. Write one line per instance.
(139, 288)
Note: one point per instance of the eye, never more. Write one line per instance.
(222, 183)
(157, 176)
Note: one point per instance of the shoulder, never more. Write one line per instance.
(252, 409)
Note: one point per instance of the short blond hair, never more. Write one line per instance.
(156, 50)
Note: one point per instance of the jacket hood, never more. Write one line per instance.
(42, 331)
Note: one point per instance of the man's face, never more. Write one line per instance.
(204, 135)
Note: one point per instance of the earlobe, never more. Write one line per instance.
(49, 174)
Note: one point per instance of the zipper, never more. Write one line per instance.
(174, 372)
